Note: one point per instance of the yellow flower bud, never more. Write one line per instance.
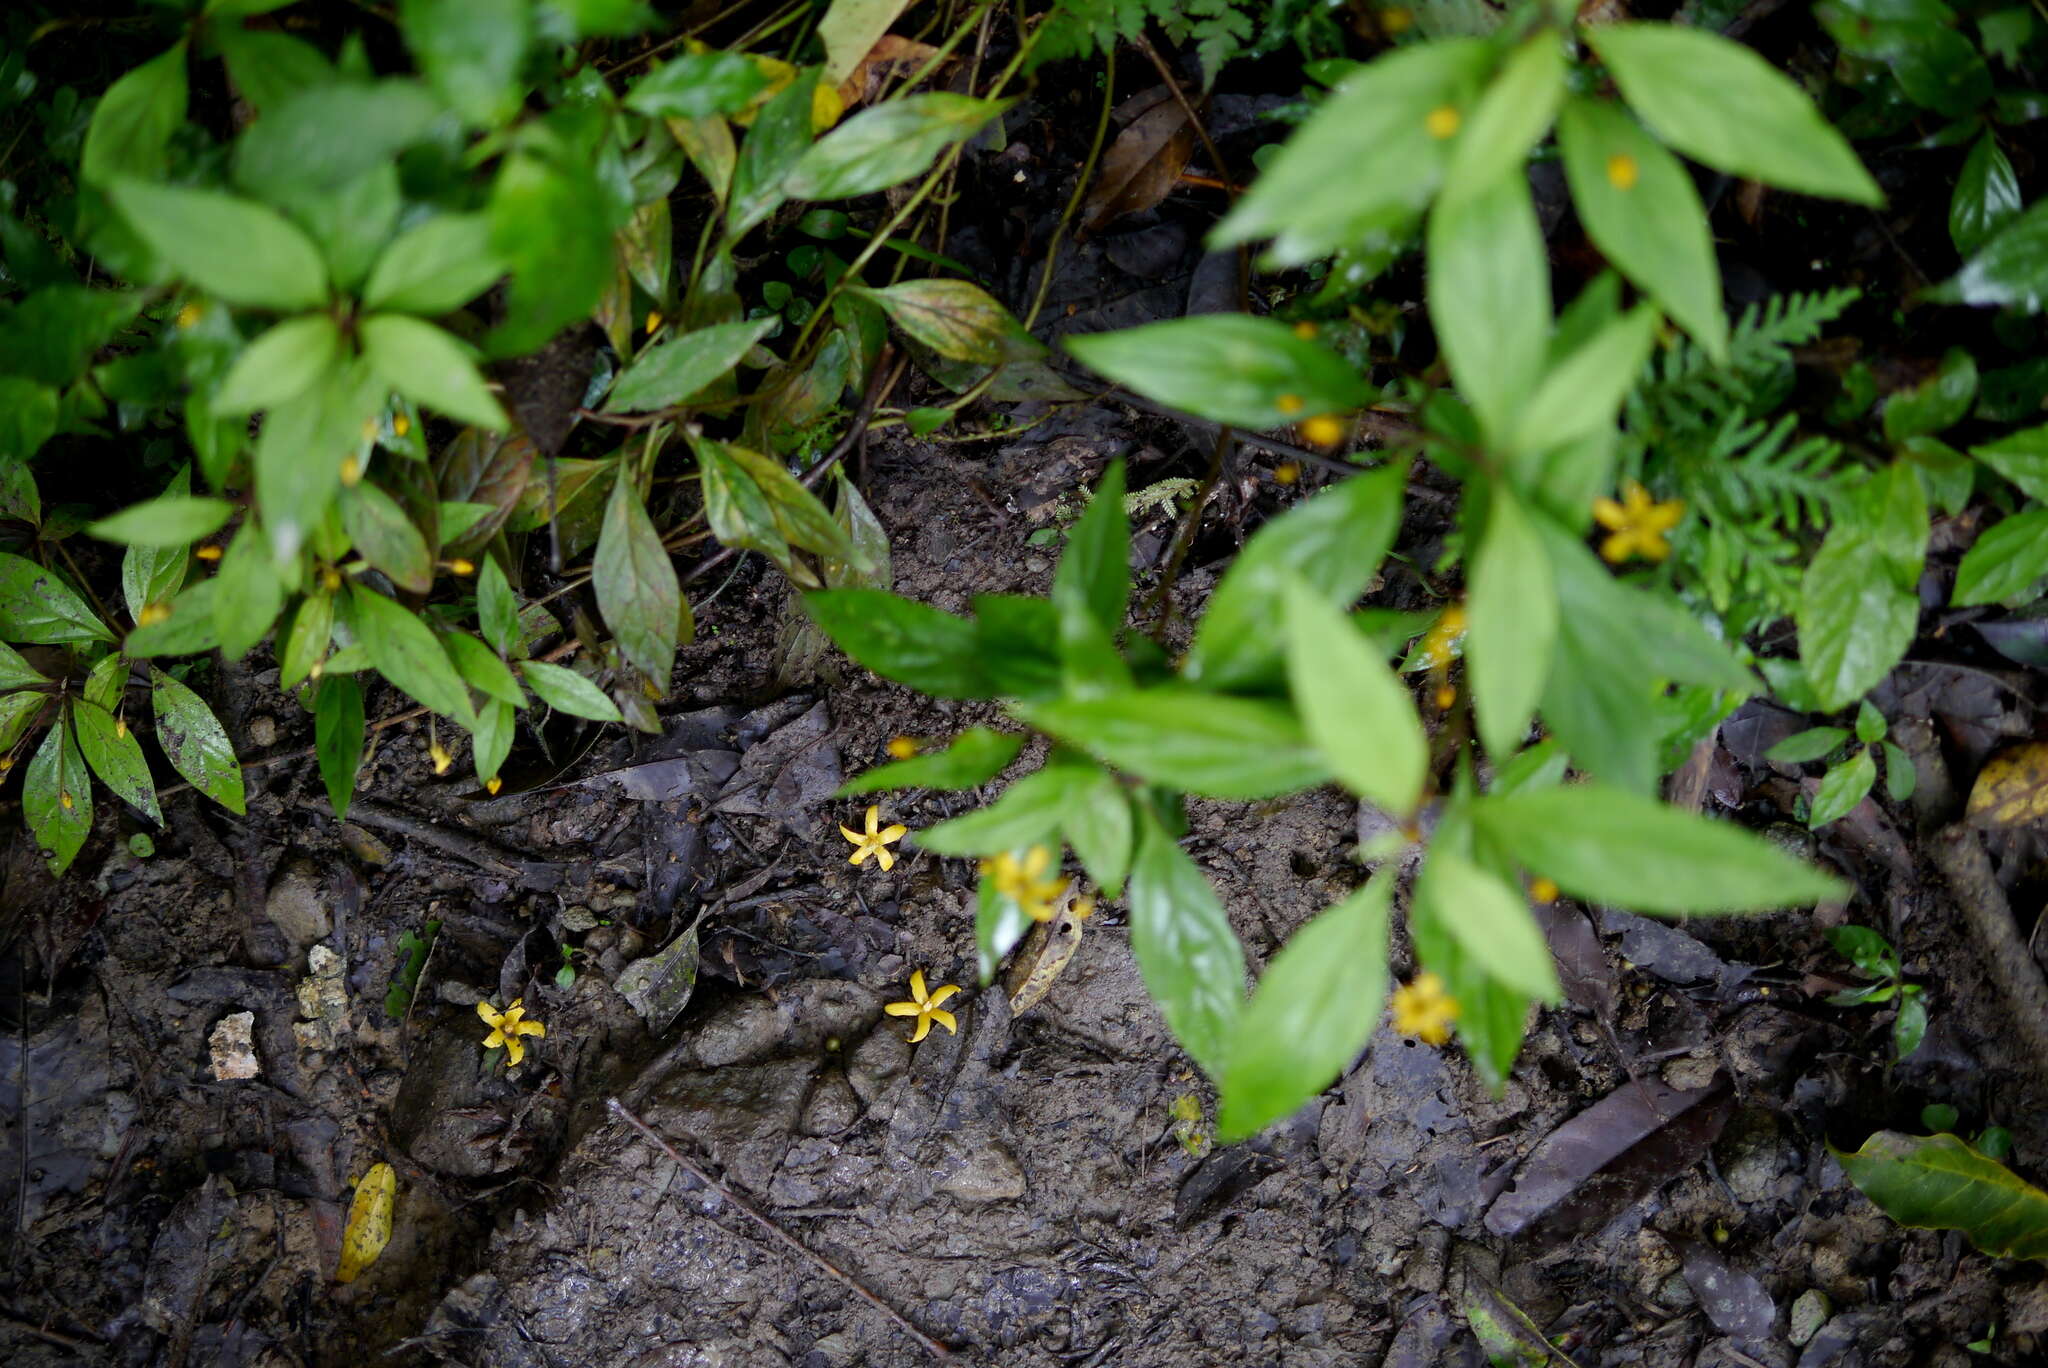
(121, 728)
(1395, 19)
(64, 797)
(653, 321)
(1290, 403)
(208, 552)
(1443, 122)
(153, 613)
(902, 748)
(440, 756)
(1305, 330)
(189, 316)
(1287, 472)
(351, 471)
(330, 579)
(493, 784)
(1543, 890)
(400, 425)
(1445, 696)
(1325, 429)
(1622, 171)
(459, 566)
(319, 667)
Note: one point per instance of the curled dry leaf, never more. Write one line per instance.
(1142, 165)
(1043, 954)
(2012, 788)
(890, 58)
(369, 1222)
(1627, 1144)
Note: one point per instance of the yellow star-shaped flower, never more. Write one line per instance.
(876, 840)
(1025, 881)
(925, 1007)
(1638, 524)
(507, 1028)
(1424, 1010)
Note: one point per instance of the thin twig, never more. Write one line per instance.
(932, 1346)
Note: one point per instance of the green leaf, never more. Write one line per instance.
(131, 129)
(56, 796)
(406, 652)
(850, 30)
(1937, 1182)
(338, 730)
(1218, 746)
(2005, 561)
(1000, 924)
(1018, 644)
(637, 589)
(435, 267)
(36, 606)
(1940, 401)
(1936, 67)
(233, 248)
(1094, 573)
(1806, 746)
(1600, 844)
(887, 144)
(16, 672)
(386, 538)
(116, 757)
(2009, 271)
(1513, 605)
(429, 367)
(194, 742)
(251, 594)
(1510, 118)
(471, 51)
(190, 627)
(1315, 1007)
(1229, 368)
(300, 453)
(2022, 458)
(799, 518)
(1311, 198)
(490, 741)
(1639, 206)
(670, 372)
(18, 712)
(955, 318)
(1101, 827)
(1720, 103)
(483, 669)
(780, 134)
(1353, 706)
(735, 506)
(568, 691)
(1582, 393)
(269, 67)
(1870, 726)
(305, 645)
(280, 365)
(931, 651)
(1900, 778)
(1909, 1025)
(168, 520)
(1489, 297)
(550, 228)
(976, 756)
(324, 137)
(1490, 921)
(1027, 814)
(1334, 541)
(28, 417)
(1190, 959)
(698, 85)
(106, 681)
(497, 609)
(1859, 604)
(1986, 197)
(1841, 789)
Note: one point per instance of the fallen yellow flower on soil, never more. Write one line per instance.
(507, 1028)
(875, 841)
(925, 1007)
(369, 1222)
(1638, 523)
(1424, 1010)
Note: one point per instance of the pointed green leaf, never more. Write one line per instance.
(698, 85)
(386, 538)
(568, 691)
(338, 738)
(1214, 745)
(670, 372)
(497, 609)
(281, 364)
(955, 318)
(1189, 956)
(169, 520)
(1100, 824)
(131, 129)
(1353, 706)
(195, 743)
(1841, 789)
(1489, 297)
(430, 367)
(637, 590)
(483, 669)
(234, 248)
(471, 50)
(887, 144)
(1582, 393)
(1510, 118)
(303, 447)
(251, 594)
(305, 645)
(976, 756)
(1229, 368)
(1315, 1007)
(116, 757)
(406, 652)
(17, 673)
(1937, 1182)
(932, 651)
(2005, 561)
(436, 267)
(1027, 814)
(36, 606)
(1986, 197)
(56, 796)
(1094, 573)
(1513, 607)
(1491, 921)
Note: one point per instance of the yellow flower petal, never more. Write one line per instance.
(859, 855)
(1609, 514)
(850, 834)
(490, 1014)
(532, 1028)
(893, 833)
(902, 1009)
(514, 1051)
(494, 1040)
(874, 820)
(884, 859)
(924, 1028)
(917, 985)
(945, 991)
(945, 1019)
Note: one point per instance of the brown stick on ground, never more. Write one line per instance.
(1959, 855)
(936, 1349)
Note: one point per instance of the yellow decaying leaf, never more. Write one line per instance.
(369, 1222)
(2012, 788)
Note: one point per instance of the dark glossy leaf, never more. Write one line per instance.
(1219, 746)
(698, 85)
(497, 609)
(56, 796)
(1190, 959)
(637, 589)
(1936, 403)
(2022, 458)
(2009, 270)
(36, 606)
(799, 518)
(116, 757)
(976, 756)
(195, 743)
(1986, 197)
(780, 134)
(1314, 1008)
(1842, 788)
(17, 673)
(955, 318)
(671, 372)
(338, 738)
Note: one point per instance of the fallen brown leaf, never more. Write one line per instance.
(888, 58)
(1142, 165)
